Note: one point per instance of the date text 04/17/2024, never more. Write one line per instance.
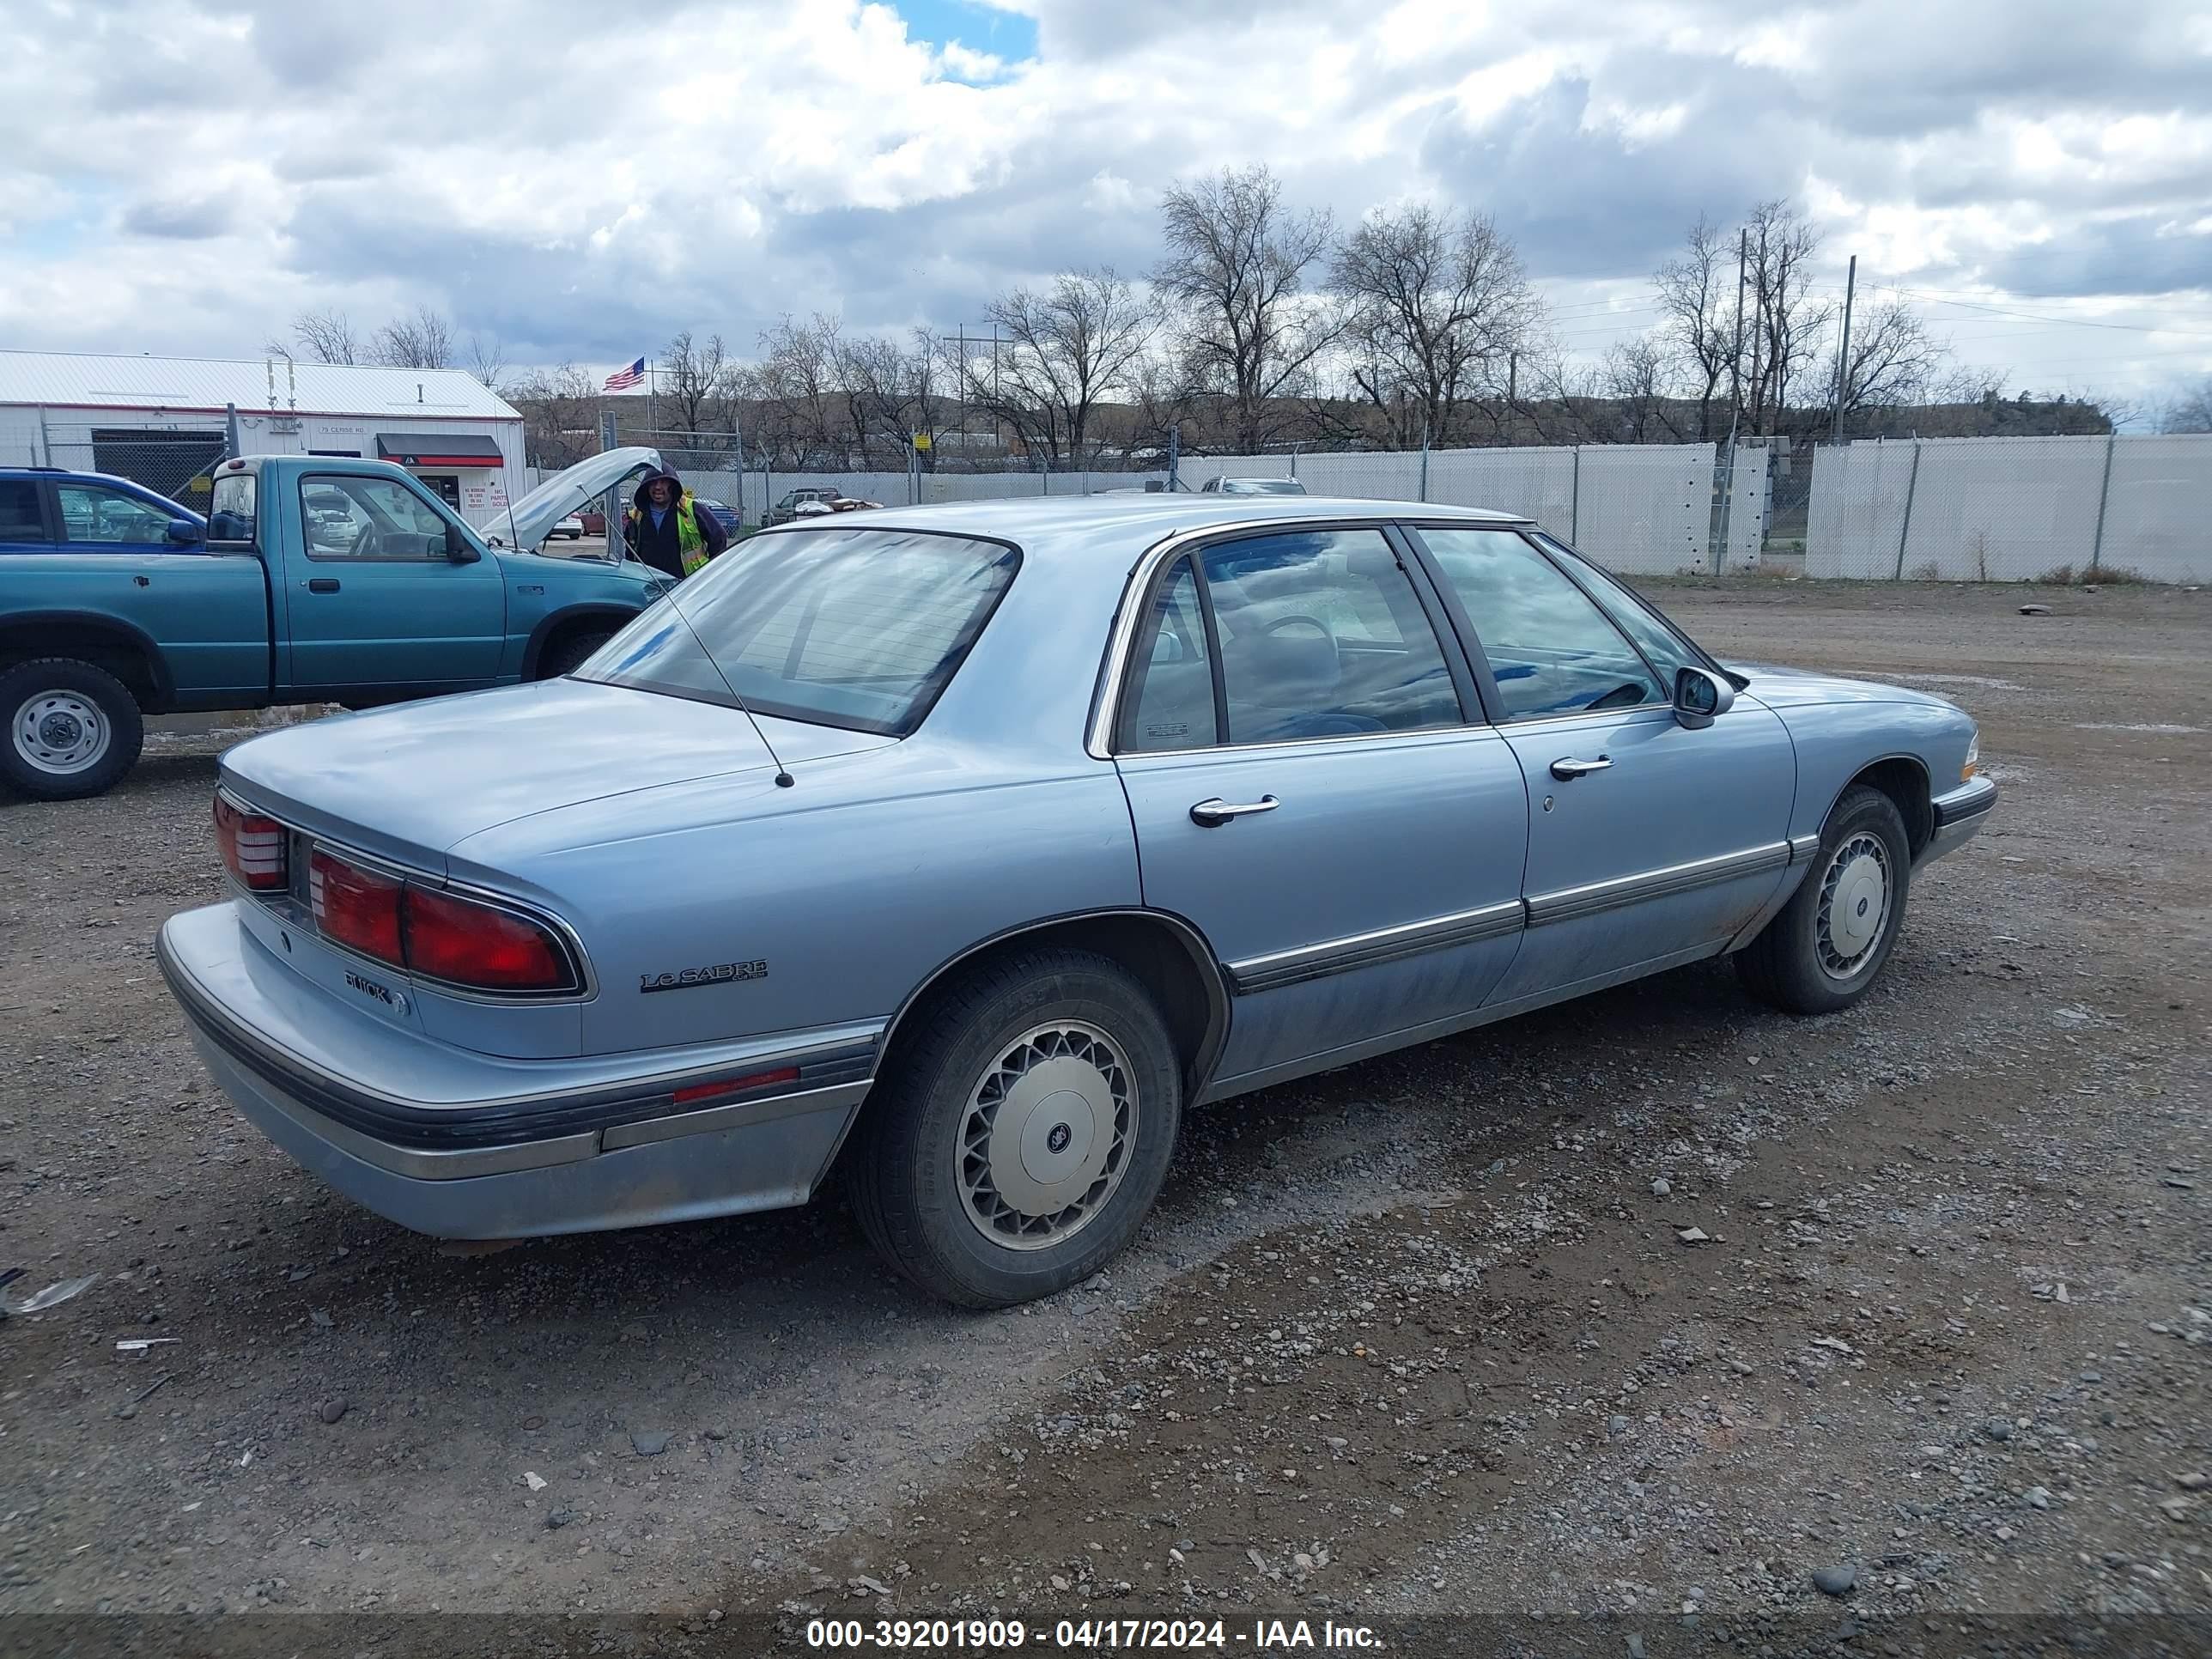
(1266, 1635)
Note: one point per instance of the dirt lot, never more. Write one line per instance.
(1416, 1339)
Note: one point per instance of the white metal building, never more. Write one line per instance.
(161, 421)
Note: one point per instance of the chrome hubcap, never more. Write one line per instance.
(60, 733)
(1046, 1137)
(1854, 905)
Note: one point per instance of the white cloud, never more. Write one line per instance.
(184, 175)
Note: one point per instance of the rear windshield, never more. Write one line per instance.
(859, 628)
(230, 511)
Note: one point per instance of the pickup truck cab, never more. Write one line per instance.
(313, 580)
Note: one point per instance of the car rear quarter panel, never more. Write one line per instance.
(847, 890)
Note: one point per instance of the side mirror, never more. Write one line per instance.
(183, 533)
(1701, 698)
(460, 549)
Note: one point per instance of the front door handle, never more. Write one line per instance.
(1212, 814)
(1566, 769)
(323, 585)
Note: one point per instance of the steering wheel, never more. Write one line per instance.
(1297, 621)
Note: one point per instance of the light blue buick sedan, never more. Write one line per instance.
(964, 847)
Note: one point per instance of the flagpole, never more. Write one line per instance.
(649, 426)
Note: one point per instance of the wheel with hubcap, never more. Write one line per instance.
(1828, 944)
(72, 729)
(1016, 1142)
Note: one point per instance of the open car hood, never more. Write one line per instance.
(531, 521)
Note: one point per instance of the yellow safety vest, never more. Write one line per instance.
(690, 544)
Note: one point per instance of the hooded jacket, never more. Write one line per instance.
(661, 546)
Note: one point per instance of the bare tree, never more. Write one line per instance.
(799, 396)
(1697, 292)
(1066, 347)
(693, 385)
(1436, 306)
(1235, 273)
(1784, 324)
(424, 340)
(486, 359)
(1895, 360)
(2190, 411)
(323, 337)
(1635, 377)
(560, 415)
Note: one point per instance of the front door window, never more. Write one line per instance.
(1551, 650)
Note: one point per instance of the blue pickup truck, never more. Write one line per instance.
(313, 580)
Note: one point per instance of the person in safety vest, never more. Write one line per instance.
(667, 529)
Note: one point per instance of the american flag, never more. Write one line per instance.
(624, 378)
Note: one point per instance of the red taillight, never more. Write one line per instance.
(439, 935)
(252, 846)
(357, 908)
(465, 943)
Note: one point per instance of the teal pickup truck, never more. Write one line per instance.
(315, 578)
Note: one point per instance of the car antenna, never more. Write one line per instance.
(783, 778)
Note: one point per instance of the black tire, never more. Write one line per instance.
(567, 655)
(1797, 966)
(905, 1179)
(37, 748)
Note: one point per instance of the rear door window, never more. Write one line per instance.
(19, 517)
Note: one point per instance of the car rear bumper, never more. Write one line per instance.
(463, 1145)
(1959, 814)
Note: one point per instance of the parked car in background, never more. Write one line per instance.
(1252, 487)
(316, 578)
(811, 502)
(1007, 831)
(571, 526)
(725, 515)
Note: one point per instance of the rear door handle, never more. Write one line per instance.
(1566, 769)
(323, 585)
(1213, 813)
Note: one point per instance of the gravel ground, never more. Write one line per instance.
(1659, 1308)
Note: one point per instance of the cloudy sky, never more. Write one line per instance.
(581, 180)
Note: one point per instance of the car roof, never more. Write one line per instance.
(1136, 520)
(60, 474)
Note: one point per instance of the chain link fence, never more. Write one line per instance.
(1642, 508)
(2013, 509)
(175, 459)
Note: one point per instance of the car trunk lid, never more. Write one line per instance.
(407, 783)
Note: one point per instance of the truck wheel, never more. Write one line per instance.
(72, 729)
(1019, 1141)
(1826, 948)
(567, 655)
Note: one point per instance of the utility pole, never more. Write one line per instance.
(1512, 379)
(1843, 351)
(1735, 355)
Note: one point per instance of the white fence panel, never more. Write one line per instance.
(1747, 488)
(2158, 510)
(1646, 508)
(1538, 483)
(1855, 518)
(2003, 509)
(2013, 509)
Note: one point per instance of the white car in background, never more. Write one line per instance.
(1252, 487)
(572, 527)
